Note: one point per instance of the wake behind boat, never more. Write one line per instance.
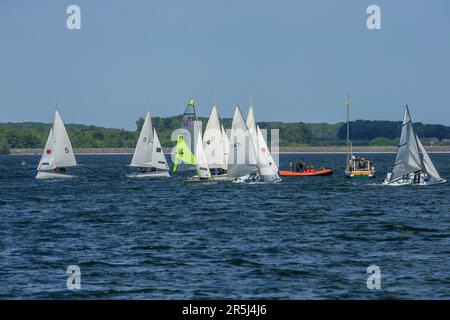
(58, 153)
(410, 168)
(148, 156)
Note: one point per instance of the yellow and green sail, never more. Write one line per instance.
(183, 154)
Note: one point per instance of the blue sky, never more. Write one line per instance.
(298, 59)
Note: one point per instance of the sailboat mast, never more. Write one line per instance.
(347, 104)
(213, 99)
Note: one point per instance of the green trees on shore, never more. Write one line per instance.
(363, 132)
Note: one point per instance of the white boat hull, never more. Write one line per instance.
(221, 177)
(258, 179)
(154, 174)
(43, 175)
(409, 181)
(197, 179)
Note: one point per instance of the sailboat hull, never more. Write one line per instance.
(154, 174)
(220, 177)
(251, 179)
(409, 181)
(43, 175)
(403, 183)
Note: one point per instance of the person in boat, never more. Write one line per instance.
(299, 166)
(254, 177)
(60, 170)
(416, 179)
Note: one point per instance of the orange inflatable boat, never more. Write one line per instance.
(308, 172)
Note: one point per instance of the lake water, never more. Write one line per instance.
(303, 238)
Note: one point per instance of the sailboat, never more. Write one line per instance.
(410, 168)
(356, 167)
(243, 165)
(201, 165)
(148, 156)
(58, 153)
(266, 164)
(214, 145)
(189, 132)
(264, 160)
(241, 152)
(226, 148)
(184, 155)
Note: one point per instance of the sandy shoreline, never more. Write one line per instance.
(118, 151)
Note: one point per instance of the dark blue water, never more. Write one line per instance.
(304, 238)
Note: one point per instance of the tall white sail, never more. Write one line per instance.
(428, 164)
(241, 150)
(159, 159)
(201, 161)
(226, 148)
(251, 125)
(47, 161)
(64, 156)
(408, 158)
(142, 156)
(266, 165)
(213, 141)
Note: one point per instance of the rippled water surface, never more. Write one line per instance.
(303, 238)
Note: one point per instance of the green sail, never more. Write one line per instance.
(183, 154)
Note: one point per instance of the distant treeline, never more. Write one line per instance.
(363, 132)
(368, 130)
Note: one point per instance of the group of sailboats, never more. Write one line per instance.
(249, 159)
(242, 157)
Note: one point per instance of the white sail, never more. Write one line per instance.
(226, 148)
(142, 156)
(201, 161)
(213, 141)
(241, 150)
(251, 125)
(266, 165)
(47, 161)
(408, 158)
(159, 159)
(428, 164)
(64, 156)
